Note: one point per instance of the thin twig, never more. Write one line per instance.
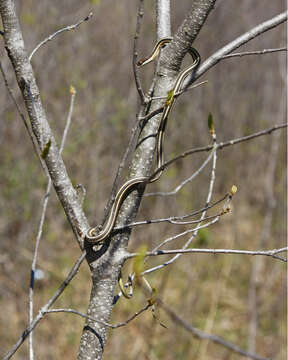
(51, 37)
(189, 231)
(40, 228)
(181, 91)
(220, 146)
(186, 181)
(145, 118)
(273, 253)
(42, 311)
(208, 199)
(202, 335)
(256, 52)
(112, 326)
(164, 242)
(135, 50)
(235, 44)
(172, 219)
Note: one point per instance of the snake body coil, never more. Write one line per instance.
(95, 236)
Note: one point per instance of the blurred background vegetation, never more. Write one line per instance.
(244, 95)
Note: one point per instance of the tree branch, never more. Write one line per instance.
(135, 50)
(27, 83)
(221, 145)
(173, 219)
(199, 226)
(273, 253)
(41, 223)
(58, 32)
(255, 52)
(112, 326)
(235, 44)
(186, 181)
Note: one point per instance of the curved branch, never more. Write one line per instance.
(235, 44)
(51, 37)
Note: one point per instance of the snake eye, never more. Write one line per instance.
(140, 62)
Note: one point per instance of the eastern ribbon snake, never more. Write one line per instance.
(96, 236)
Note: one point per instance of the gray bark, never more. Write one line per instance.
(163, 19)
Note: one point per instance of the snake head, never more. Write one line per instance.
(141, 62)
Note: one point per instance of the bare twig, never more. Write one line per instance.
(256, 52)
(202, 335)
(173, 219)
(42, 311)
(189, 231)
(52, 36)
(40, 228)
(112, 326)
(273, 253)
(186, 181)
(182, 91)
(145, 118)
(164, 242)
(252, 136)
(235, 44)
(221, 145)
(135, 50)
(208, 199)
(174, 222)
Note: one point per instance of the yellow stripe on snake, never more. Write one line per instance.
(96, 236)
